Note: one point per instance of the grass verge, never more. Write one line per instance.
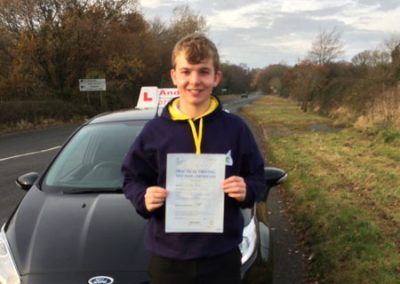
(344, 191)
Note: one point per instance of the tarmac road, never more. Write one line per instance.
(24, 152)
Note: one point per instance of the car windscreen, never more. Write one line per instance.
(91, 161)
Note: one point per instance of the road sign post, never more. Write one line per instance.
(93, 85)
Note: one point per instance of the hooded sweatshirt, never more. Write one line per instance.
(215, 132)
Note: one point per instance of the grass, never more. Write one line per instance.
(344, 190)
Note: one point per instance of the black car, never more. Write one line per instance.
(75, 225)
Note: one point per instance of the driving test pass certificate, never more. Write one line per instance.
(195, 201)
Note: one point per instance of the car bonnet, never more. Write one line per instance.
(56, 233)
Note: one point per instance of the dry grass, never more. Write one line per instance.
(384, 111)
(344, 189)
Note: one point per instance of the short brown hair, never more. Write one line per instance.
(197, 48)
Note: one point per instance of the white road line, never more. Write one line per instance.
(30, 154)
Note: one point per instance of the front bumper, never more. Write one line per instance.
(120, 277)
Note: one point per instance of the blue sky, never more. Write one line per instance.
(259, 33)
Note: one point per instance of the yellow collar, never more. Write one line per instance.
(177, 114)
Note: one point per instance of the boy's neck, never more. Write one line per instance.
(192, 110)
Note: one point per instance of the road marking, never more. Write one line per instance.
(30, 154)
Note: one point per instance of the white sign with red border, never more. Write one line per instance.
(151, 96)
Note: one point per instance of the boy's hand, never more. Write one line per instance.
(235, 187)
(155, 197)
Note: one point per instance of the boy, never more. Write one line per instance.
(194, 123)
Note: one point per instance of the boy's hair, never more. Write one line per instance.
(197, 48)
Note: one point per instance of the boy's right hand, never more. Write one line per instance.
(155, 197)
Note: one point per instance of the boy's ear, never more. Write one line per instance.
(217, 78)
(173, 76)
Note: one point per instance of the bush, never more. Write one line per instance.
(34, 111)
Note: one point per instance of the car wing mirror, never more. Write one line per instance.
(273, 177)
(26, 181)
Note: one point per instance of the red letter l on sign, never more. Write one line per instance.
(146, 97)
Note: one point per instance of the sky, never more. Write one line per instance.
(259, 32)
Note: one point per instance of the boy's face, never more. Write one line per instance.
(195, 82)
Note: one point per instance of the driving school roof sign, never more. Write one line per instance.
(151, 96)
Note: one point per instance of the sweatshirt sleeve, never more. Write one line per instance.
(139, 173)
(251, 168)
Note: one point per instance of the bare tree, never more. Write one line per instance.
(327, 47)
(362, 58)
(371, 58)
(391, 42)
(184, 21)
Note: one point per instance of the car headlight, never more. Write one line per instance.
(248, 243)
(8, 270)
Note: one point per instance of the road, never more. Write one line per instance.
(24, 152)
(30, 151)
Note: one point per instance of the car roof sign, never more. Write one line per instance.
(165, 95)
(150, 97)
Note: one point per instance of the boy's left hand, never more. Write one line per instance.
(235, 187)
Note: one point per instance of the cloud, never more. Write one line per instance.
(246, 16)
(290, 6)
(382, 5)
(261, 32)
(364, 17)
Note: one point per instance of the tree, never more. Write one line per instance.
(396, 63)
(236, 78)
(391, 43)
(56, 42)
(326, 48)
(47, 45)
(268, 79)
(371, 58)
(5, 56)
(184, 21)
(362, 58)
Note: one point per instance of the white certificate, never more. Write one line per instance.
(195, 201)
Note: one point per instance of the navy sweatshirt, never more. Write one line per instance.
(145, 165)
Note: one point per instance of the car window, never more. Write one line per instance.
(92, 158)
